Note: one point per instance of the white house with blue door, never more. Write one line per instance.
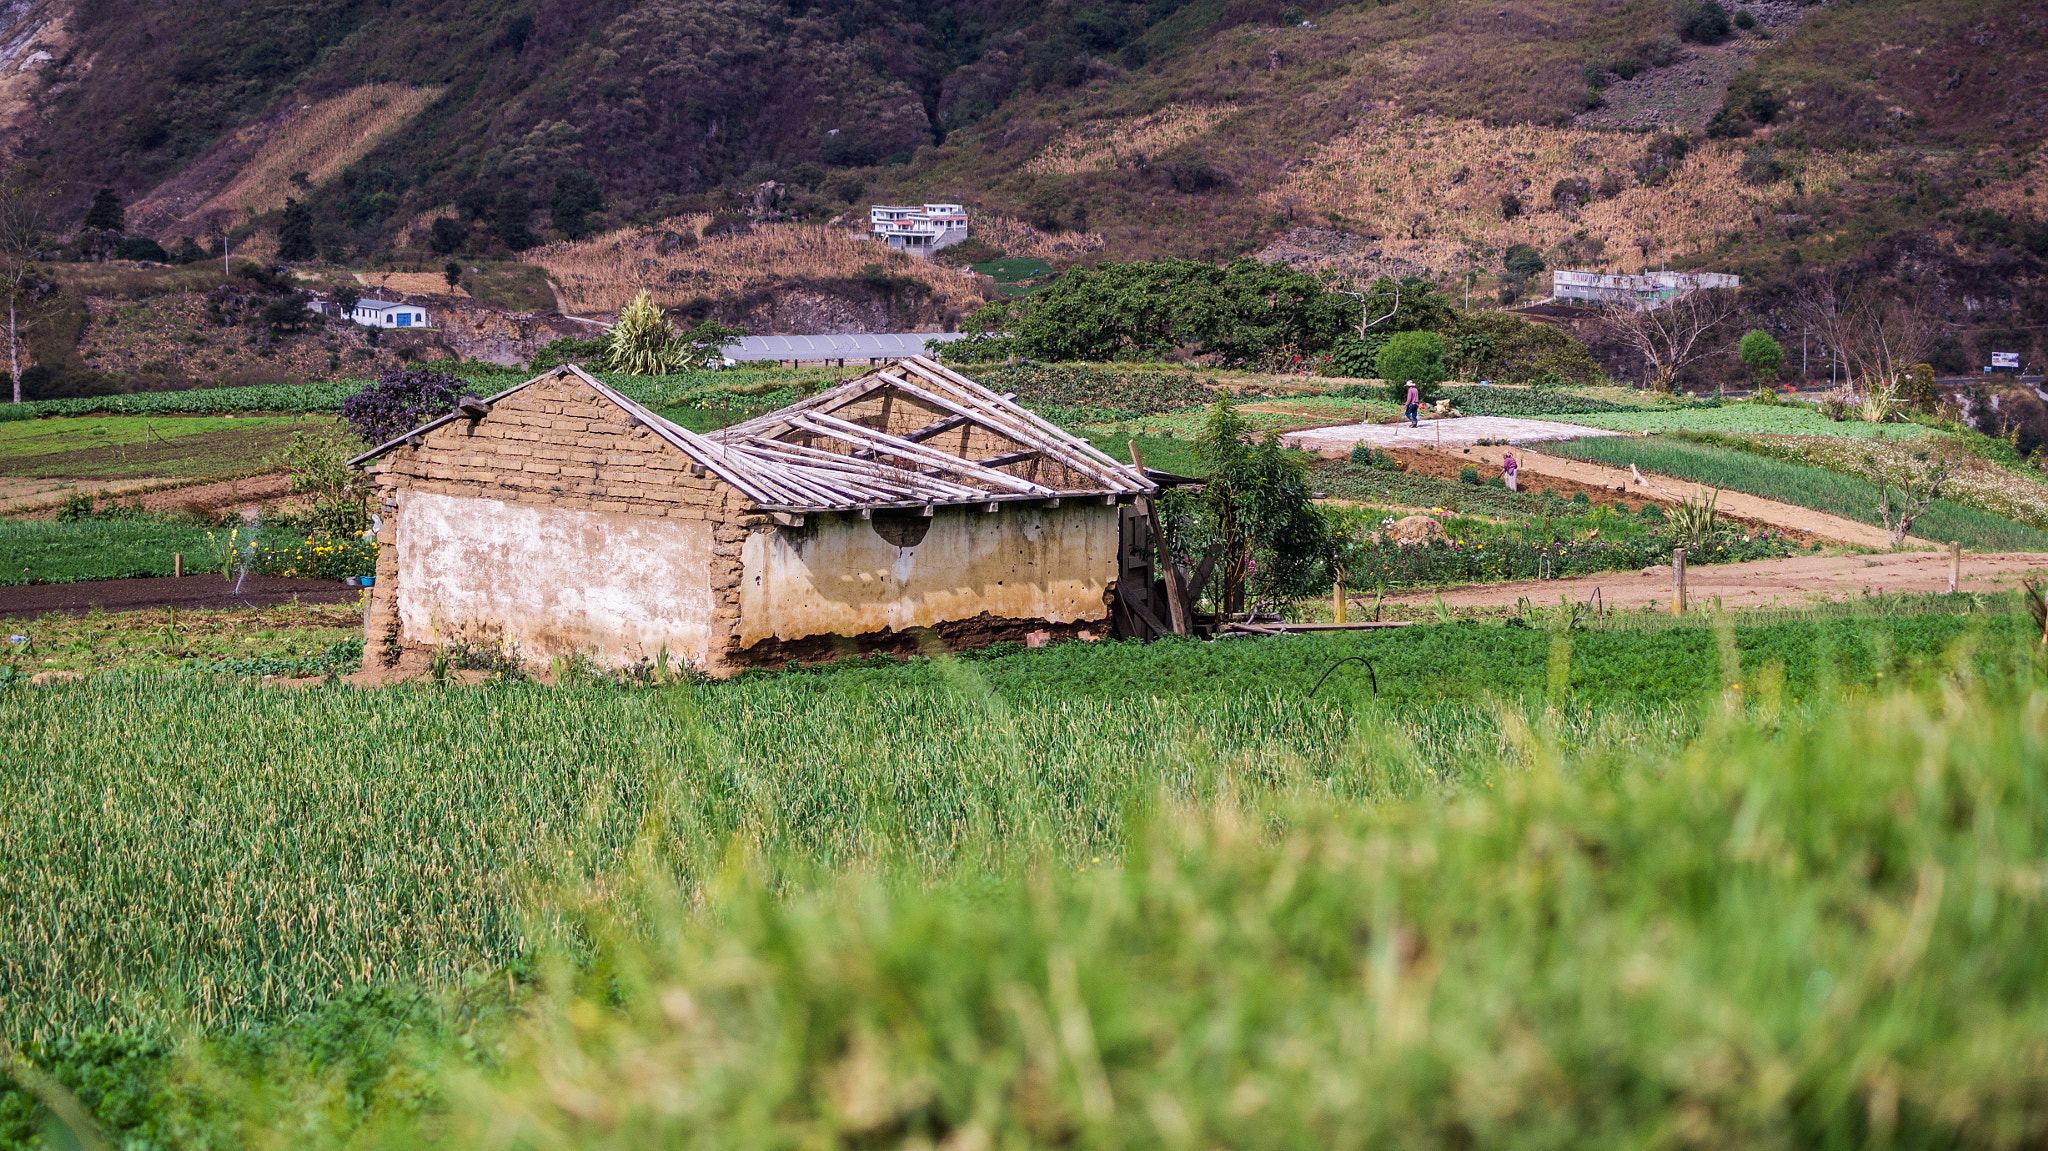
(378, 313)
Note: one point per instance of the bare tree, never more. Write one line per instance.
(1879, 328)
(1918, 480)
(1365, 298)
(21, 236)
(1673, 334)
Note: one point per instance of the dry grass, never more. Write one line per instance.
(1017, 238)
(1431, 188)
(1109, 143)
(318, 139)
(409, 283)
(601, 274)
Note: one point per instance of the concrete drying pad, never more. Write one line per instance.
(1464, 431)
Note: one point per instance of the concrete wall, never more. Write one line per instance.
(616, 586)
(838, 575)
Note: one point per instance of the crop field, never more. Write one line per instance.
(115, 447)
(1802, 484)
(1747, 419)
(764, 879)
(303, 639)
(51, 552)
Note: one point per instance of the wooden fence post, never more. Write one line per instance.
(1955, 565)
(177, 565)
(1176, 610)
(1337, 608)
(1678, 581)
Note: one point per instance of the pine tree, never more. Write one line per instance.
(295, 233)
(107, 213)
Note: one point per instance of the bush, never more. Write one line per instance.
(1760, 353)
(1760, 166)
(1365, 455)
(1510, 205)
(1744, 19)
(141, 248)
(1704, 22)
(642, 343)
(1416, 356)
(400, 400)
(1571, 192)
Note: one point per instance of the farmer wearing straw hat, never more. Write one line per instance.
(1507, 471)
(1414, 403)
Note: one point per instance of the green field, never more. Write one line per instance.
(117, 447)
(1807, 486)
(1154, 872)
(46, 551)
(1016, 275)
(1751, 419)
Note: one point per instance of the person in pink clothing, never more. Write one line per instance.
(1414, 403)
(1508, 468)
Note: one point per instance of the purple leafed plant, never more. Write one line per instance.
(400, 400)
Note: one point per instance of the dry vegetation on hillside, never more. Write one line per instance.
(1111, 143)
(319, 139)
(1431, 190)
(678, 263)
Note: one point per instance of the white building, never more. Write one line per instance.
(376, 313)
(1647, 291)
(919, 230)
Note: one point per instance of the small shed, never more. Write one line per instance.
(905, 506)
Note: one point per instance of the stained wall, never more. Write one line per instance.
(841, 575)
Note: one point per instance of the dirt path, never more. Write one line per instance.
(1786, 583)
(1666, 489)
(31, 498)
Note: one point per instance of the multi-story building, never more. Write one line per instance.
(1647, 291)
(919, 230)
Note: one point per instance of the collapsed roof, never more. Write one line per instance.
(833, 451)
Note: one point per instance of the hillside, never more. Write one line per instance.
(1425, 137)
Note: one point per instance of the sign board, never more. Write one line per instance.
(2005, 360)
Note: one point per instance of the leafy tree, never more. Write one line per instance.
(447, 235)
(400, 400)
(318, 467)
(346, 298)
(576, 197)
(189, 251)
(141, 248)
(1266, 531)
(107, 213)
(286, 313)
(1701, 21)
(710, 338)
(1237, 313)
(1919, 390)
(642, 344)
(452, 272)
(1760, 353)
(295, 232)
(1417, 356)
(510, 218)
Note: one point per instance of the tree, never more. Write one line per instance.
(1417, 356)
(575, 199)
(1268, 533)
(21, 236)
(346, 298)
(447, 235)
(710, 338)
(642, 343)
(1878, 327)
(107, 213)
(1917, 477)
(510, 217)
(189, 251)
(1760, 353)
(1919, 389)
(1673, 334)
(295, 232)
(452, 272)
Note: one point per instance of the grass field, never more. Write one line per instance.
(1130, 887)
(117, 447)
(1807, 486)
(52, 552)
(1752, 419)
(248, 641)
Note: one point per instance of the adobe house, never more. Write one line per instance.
(561, 517)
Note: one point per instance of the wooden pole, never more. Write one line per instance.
(1955, 565)
(1337, 608)
(1177, 613)
(1678, 581)
(177, 565)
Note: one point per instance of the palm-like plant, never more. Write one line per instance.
(642, 344)
(1694, 519)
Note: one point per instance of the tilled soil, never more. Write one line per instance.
(191, 592)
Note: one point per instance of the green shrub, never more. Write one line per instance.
(1416, 356)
